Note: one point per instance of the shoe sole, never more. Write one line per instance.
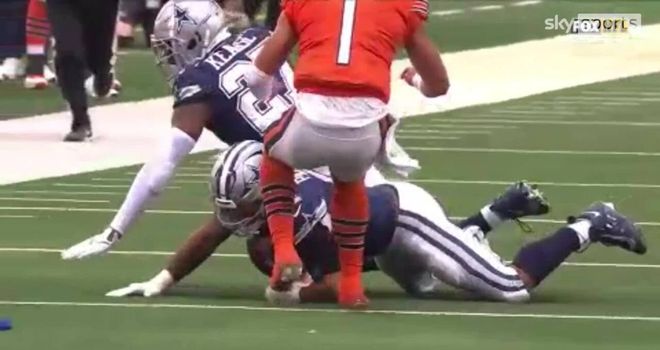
(36, 86)
(86, 139)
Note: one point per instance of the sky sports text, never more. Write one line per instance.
(596, 23)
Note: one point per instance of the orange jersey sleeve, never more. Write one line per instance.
(419, 13)
(346, 47)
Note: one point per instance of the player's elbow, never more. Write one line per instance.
(438, 86)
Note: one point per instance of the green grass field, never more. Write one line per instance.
(580, 152)
(595, 142)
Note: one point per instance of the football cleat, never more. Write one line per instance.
(79, 134)
(49, 74)
(102, 87)
(612, 228)
(35, 82)
(12, 68)
(519, 200)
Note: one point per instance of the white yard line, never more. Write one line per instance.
(44, 199)
(413, 137)
(529, 106)
(616, 93)
(200, 175)
(539, 112)
(431, 122)
(95, 193)
(105, 210)
(608, 98)
(456, 126)
(511, 116)
(447, 12)
(487, 7)
(540, 183)
(582, 103)
(245, 256)
(82, 185)
(207, 212)
(405, 131)
(128, 180)
(2, 216)
(526, 3)
(113, 252)
(533, 151)
(625, 318)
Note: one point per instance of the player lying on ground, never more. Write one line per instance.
(409, 236)
(342, 76)
(208, 94)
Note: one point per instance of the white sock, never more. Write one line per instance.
(491, 217)
(581, 229)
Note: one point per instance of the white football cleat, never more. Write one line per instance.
(49, 74)
(91, 92)
(35, 82)
(93, 246)
(12, 68)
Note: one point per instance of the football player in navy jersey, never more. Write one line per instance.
(204, 58)
(409, 237)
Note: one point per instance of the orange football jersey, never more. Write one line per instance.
(346, 47)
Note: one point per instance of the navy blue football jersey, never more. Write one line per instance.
(218, 79)
(315, 243)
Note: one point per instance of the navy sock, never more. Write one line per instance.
(538, 259)
(476, 220)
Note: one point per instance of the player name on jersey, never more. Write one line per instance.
(227, 52)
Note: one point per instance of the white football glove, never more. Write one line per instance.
(151, 288)
(288, 297)
(260, 84)
(142, 289)
(93, 246)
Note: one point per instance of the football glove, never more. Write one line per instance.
(142, 289)
(93, 246)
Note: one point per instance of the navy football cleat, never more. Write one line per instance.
(611, 228)
(519, 200)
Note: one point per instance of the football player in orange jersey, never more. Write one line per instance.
(342, 77)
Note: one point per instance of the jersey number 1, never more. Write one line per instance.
(346, 31)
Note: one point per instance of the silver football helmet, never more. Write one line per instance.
(184, 31)
(235, 188)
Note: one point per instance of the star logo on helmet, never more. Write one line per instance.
(181, 16)
(252, 176)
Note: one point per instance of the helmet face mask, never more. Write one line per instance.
(245, 216)
(235, 191)
(183, 33)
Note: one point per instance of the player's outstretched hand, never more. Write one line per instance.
(93, 246)
(142, 289)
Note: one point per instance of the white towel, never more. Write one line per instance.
(393, 157)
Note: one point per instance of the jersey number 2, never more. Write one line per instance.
(346, 31)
